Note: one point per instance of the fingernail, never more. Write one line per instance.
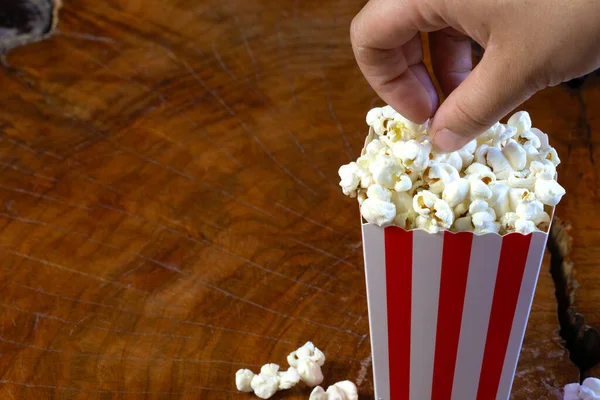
(445, 141)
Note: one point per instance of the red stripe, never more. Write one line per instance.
(398, 261)
(511, 267)
(453, 285)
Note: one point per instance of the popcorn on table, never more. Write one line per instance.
(504, 181)
(344, 390)
(588, 390)
(305, 364)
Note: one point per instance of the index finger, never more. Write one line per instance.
(387, 46)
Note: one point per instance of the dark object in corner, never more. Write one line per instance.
(26, 21)
(581, 340)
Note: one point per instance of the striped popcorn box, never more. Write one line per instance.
(448, 311)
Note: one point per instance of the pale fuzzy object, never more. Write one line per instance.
(310, 372)
(456, 192)
(551, 155)
(508, 221)
(288, 379)
(572, 391)
(543, 169)
(481, 153)
(437, 175)
(515, 154)
(375, 147)
(349, 388)
(532, 211)
(517, 196)
(423, 202)
(543, 137)
(385, 170)
(403, 184)
(520, 120)
(264, 386)
(335, 393)
(479, 189)
(379, 192)
(318, 394)
(307, 350)
(500, 200)
(462, 209)
(548, 191)
(588, 390)
(521, 179)
(350, 175)
(503, 135)
(413, 154)
(378, 212)
(269, 369)
(436, 217)
(463, 224)
(478, 168)
(467, 153)
(454, 159)
(500, 165)
(483, 217)
(528, 137)
(243, 378)
(524, 226)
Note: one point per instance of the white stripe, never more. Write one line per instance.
(374, 251)
(483, 267)
(530, 277)
(426, 273)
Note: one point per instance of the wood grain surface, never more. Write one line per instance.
(169, 207)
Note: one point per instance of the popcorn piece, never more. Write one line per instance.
(521, 121)
(467, 153)
(532, 210)
(438, 175)
(588, 390)
(350, 175)
(500, 165)
(379, 192)
(269, 369)
(404, 209)
(515, 154)
(414, 155)
(524, 226)
(335, 393)
(521, 179)
(483, 217)
(289, 378)
(264, 386)
(349, 389)
(434, 213)
(378, 212)
(385, 170)
(500, 200)
(503, 135)
(481, 153)
(549, 191)
(456, 192)
(243, 377)
(310, 372)
(307, 350)
(318, 394)
(544, 143)
(508, 221)
(551, 155)
(463, 224)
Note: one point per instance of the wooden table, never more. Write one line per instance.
(170, 209)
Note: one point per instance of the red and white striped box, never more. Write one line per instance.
(448, 311)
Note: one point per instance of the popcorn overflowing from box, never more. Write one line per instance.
(453, 245)
(504, 181)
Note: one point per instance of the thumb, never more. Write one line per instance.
(498, 84)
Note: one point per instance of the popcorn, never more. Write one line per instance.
(269, 369)
(310, 372)
(288, 379)
(243, 377)
(308, 350)
(515, 154)
(456, 192)
(413, 154)
(344, 390)
(521, 121)
(588, 390)
(351, 175)
(499, 182)
(549, 191)
(264, 386)
(378, 211)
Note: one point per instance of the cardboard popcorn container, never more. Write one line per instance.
(448, 311)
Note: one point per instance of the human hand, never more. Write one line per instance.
(529, 45)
